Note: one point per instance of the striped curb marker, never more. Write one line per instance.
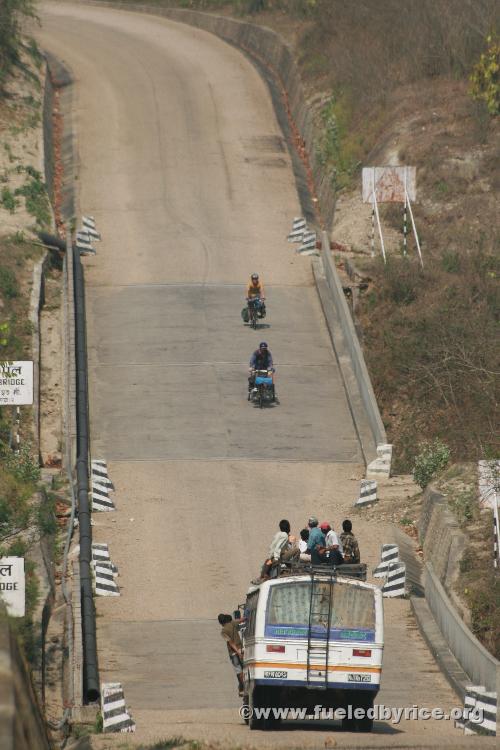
(388, 554)
(382, 464)
(84, 248)
(367, 493)
(101, 500)
(100, 553)
(100, 556)
(84, 243)
(480, 712)
(308, 246)
(104, 571)
(104, 577)
(115, 714)
(395, 582)
(99, 471)
(299, 226)
(88, 223)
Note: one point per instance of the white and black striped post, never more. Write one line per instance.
(388, 554)
(308, 246)
(299, 226)
(115, 714)
(17, 447)
(88, 225)
(480, 712)
(405, 229)
(405, 220)
(367, 493)
(104, 571)
(395, 582)
(496, 534)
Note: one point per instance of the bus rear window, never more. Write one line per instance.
(351, 607)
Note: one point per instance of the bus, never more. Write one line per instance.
(312, 638)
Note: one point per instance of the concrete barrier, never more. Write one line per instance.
(443, 543)
(375, 441)
(475, 660)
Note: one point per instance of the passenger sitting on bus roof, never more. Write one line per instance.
(231, 635)
(291, 550)
(331, 538)
(329, 553)
(305, 556)
(278, 546)
(316, 536)
(350, 544)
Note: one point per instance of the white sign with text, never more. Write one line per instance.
(16, 383)
(12, 585)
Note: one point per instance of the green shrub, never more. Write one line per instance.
(46, 518)
(8, 200)
(462, 505)
(432, 457)
(485, 77)
(9, 286)
(35, 196)
(23, 465)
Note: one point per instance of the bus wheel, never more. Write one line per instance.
(366, 723)
(254, 722)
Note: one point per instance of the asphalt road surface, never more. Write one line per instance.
(181, 161)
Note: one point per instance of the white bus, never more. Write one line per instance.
(312, 638)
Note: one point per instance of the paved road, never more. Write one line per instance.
(183, 165)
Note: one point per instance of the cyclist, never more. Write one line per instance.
(255, 290)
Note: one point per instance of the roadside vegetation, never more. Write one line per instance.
(13, 13)
(23, 518)
(27, 511)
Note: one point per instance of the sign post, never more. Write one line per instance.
(16, 383)
(12, 585)
(391, 185)
(16, 389)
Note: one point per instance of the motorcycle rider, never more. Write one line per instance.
(261, 359)
(255, 289)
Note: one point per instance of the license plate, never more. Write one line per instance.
(276, 675)
(359, 678)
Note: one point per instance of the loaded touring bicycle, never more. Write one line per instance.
(313, 638)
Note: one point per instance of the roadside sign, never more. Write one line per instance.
(389, 184)
(12, 585)
(16, 383)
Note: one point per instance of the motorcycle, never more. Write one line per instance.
(262, 391)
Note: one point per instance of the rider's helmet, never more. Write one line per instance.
(263, 345)
(255, 277)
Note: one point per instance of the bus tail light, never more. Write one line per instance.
(361, 652)
(275, 649)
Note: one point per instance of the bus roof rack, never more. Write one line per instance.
(346, 570)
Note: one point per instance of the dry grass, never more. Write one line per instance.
(433, 349)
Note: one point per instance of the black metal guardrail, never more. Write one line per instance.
(91, 690)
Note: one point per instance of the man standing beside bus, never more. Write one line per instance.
(231, 635)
